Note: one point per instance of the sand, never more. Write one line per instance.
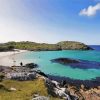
(7, 58)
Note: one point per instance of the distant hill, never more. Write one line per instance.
(73, 45)
(26, 45)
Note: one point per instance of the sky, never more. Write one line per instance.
(50, 21)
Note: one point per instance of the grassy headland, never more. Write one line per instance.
(26, 45)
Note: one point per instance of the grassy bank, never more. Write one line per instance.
(24, 89)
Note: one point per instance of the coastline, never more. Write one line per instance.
(9, 53)
(53, 87)
(8, 56)
(59, 86)
(75, 82)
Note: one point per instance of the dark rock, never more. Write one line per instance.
(31, 65)
(77, 63)
(50, 88)
(63, 83)
(65, 60)
(41, 73)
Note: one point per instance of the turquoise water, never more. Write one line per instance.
(43, 60)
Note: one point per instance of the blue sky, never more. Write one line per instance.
(50, 21)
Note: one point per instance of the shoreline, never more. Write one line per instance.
(7, 57)
(54, 88)
(87, 83)
(9, 53)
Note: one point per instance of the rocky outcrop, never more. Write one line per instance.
(65, 60)
(31, 65)
(70, 92)
(21, 76)
(84, 94)
(77, 63)
(55, 90)
(22, 73)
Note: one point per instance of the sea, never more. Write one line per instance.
(89, 74)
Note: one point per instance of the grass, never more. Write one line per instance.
(24, 89)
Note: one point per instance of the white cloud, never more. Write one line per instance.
(90, 11)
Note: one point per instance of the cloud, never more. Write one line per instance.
(90, 11)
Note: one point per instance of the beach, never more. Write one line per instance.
(7, 58)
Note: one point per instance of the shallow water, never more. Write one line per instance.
(43, 59)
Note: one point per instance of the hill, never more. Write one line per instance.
(26, 45)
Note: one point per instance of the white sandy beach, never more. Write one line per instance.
(9, 53)
(6, 58)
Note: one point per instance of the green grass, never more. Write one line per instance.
(25, 90)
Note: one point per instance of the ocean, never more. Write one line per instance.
(43, 59)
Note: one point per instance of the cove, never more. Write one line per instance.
(43, 59)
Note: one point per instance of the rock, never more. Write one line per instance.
(50, 87)
(32, 76)
(13, 89)
(65, 60)
(61, 92)
(82, 86)
(91, 94)
(63, 83)
(41, 73)
(55, 82)
(40, 98)
(55, 90)
(82, 89)
(31, 65)
(36, 96)
(21, 76)
(77, 63)
(75, 93)
(98, 87)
